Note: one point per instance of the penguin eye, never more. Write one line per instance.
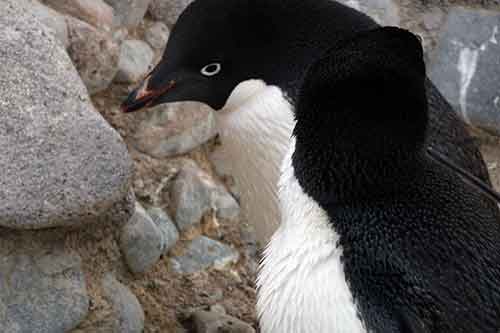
(211, 69)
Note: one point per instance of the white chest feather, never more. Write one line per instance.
(255, 128)
(301, 285)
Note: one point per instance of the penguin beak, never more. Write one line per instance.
(145, 95)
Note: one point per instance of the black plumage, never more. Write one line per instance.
(421, 248)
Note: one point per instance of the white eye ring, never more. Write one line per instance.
(211, 69)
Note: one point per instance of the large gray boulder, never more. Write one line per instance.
(466, 65)
(52, 19)
(62, 164)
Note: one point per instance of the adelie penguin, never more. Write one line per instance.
(247, 58)
(376, 236)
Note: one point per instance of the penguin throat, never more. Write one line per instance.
(255, 128)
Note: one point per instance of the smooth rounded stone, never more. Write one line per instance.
(175, 129)
(157, 35)
(51, 19)
(42, 292)
(466, 65)
(194, 193)
(95, 54)
(166, 226)
(167, 10)
(385, 12)
(129, 13)
(62, 164)
(136, 57)
(128, 313)
(215, 321)
(141, 241)
(95, 12)
(203, 253)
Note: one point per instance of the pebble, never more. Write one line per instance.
(41, 292)
(94, 12)
(95, 54)
(136, 57)
(216, 321)
(166, 226)
(157, 35)
(129, 13)
(175, 129)
(194, 193)
(141, 241)
(167, 10)
(128, 313)
(203, 253)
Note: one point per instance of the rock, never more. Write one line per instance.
(157, 35)
(194, 193)
(385, 12)
(95, 54)
(167, 10)
(203, 253)
(128, 312)
(129, 13)
(175, 129)
(62, 164)
(51, 19)
(215, 321)
(135, 61)
(166, 226)
(95, 12)
(42, 292)
(141, 241)
(466, 65)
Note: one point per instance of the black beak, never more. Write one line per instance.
(144, 96)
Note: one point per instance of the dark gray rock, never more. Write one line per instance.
(135, 61)
(203, 253)
(51, 19)
(157, 35)
(129, 13)
(167, 10)
(194, 193)
(95, 54)
(128, 312)
(141, 241)
(215, 321)
(385, 12)
(42, 292)
(62, 164)
(175, 129)
(466, 65)
(166, 226)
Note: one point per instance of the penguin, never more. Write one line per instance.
(247, 59)
(376, 235)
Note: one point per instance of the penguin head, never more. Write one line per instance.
(215, 45)
(367, 96)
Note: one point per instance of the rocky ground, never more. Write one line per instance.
(130, 223)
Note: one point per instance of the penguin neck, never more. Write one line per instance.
(255, 127)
